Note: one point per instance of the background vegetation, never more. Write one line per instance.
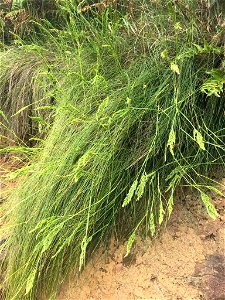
(128, 98)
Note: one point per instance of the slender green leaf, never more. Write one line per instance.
(209, 206)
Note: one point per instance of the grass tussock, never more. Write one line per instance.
(140, 111)
(26, 95)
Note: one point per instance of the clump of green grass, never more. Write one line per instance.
(137, 116)
(26, 95)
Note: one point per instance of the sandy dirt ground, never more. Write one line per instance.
(187, 262)
(7, 163)
(6, 186)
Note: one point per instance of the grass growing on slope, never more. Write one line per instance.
(137, 116)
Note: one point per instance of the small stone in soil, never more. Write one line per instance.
(119, 267)
(153, 277)
(103, 270)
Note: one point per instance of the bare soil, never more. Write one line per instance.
(7, 164)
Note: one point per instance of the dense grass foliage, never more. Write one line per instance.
(139, 112)
(26, 95)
